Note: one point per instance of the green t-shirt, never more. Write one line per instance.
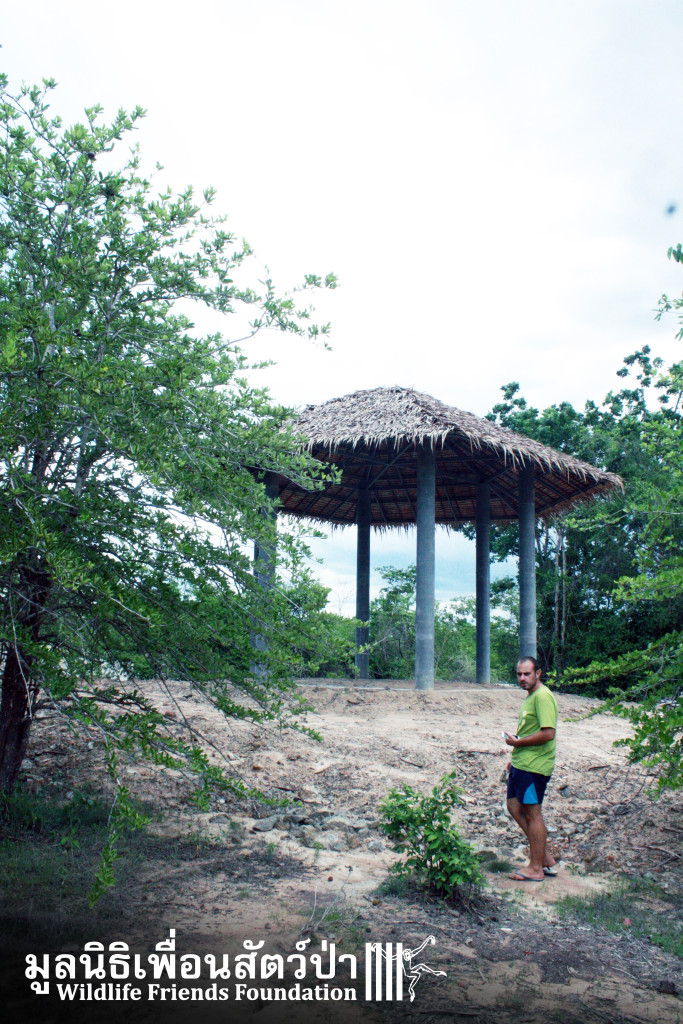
(538, 711)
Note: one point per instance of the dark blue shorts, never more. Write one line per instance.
(527, 787)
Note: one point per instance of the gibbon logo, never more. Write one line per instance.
(391, 967)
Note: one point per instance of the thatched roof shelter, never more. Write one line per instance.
(407, 458)
(372, 437)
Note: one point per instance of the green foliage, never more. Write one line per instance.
(420, 827)
(650, 696)
(392, 631)
(134, 453)
(610, 574)
(321, 643)
(455, 639)
(392, 625)
(504, 628)
(582, 616)
(65, 828)
(644, 681)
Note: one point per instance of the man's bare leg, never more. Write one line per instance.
(519, 813)
(537, 834)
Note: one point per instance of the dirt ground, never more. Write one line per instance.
(314, 868)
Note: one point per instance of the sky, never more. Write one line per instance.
(489, 180)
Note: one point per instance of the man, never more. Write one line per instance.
(531, 765)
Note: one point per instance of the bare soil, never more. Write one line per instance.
(317, 867)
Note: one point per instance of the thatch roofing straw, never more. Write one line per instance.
(374, 434)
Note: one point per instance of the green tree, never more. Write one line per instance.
(645, 680)
(392, 625)
(504, 628)
(580, 555)
(392, 630)
(133, 449)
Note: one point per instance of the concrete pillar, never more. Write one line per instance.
(424, 597)
(264, 556)
(483, 529)
(527, 562)
(363, 581)
(264, 567)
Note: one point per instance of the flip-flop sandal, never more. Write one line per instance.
(517, 876)
(550, 872)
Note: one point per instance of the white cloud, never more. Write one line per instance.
(488, 180)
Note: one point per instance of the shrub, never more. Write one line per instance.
(436, 854)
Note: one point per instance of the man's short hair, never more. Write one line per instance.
(533, 661)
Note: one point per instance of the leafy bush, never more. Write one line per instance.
(436, 854)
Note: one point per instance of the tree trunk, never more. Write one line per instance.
(16, 716)
(19, 686)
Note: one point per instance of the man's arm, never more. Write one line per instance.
(535, 740)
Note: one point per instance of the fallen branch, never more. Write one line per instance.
(613, 967)
(669, 853)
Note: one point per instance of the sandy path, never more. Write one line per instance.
(500, 961)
